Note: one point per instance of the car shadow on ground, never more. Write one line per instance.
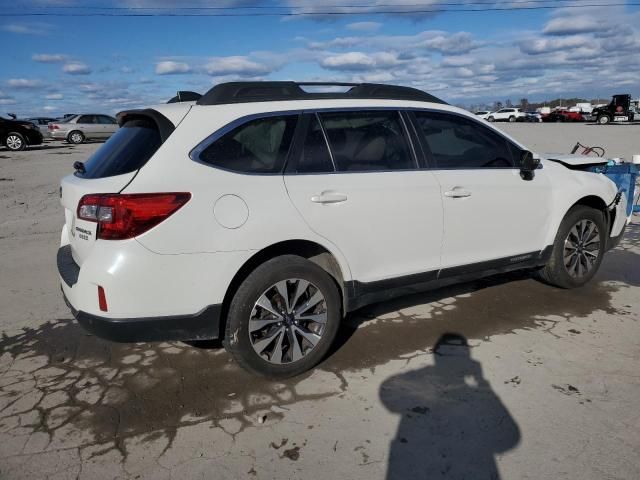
(37, 147)
(452, 423)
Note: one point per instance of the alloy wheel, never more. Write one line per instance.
(14, 142)
(76, 138)
(287, 321)
(581, 248)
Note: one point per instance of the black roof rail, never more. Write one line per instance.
(246, 92)
(185, 96)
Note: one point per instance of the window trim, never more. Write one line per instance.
(430, 161)
(422, 159)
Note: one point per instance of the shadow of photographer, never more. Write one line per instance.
(452, 422)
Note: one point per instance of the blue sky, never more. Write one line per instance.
(54, 65)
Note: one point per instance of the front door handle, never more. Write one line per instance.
(329, 197)
(457, 193)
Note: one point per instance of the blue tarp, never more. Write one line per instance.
(625, 176)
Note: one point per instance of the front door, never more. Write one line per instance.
(366, 194)
(490, 212)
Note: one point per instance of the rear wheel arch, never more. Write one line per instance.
(307, 249)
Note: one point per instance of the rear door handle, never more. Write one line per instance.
(329, 197)
(457, 193)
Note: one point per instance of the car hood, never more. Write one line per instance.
(574, 160)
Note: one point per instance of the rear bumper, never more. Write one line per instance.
(34, 137)
(204, 325)
(79, 295)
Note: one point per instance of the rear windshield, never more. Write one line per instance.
(126, 151)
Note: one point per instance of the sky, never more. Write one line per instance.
(56, 64)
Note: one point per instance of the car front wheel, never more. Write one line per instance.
(603, 120)
(283, 318)
(578, 248)
(491, 119)
(512, 119)
(15, 142)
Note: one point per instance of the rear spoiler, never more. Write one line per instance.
(165, 127)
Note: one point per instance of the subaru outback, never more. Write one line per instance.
(261, 213)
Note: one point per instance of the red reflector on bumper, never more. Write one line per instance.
(102, 299)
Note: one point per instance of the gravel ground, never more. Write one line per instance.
(546, 386)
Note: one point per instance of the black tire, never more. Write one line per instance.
(555, 272)
(15, 142)
(237, 340)
(512, 119)
(603, 119)
(491, 119)
(76, 137)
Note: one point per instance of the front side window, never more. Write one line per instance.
(460, 143)
(364, 141)
(258, 146)
(103, 119)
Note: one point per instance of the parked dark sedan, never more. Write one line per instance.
(17, 134)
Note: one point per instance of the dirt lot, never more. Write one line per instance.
(547, 389)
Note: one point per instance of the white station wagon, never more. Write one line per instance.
(261, 214)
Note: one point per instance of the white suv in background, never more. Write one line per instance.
(261, 214)
(507, 115)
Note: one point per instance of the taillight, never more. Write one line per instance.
(53, 126)
(126, 216)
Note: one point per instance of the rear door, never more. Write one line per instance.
(108, 170)
(490, 212)
(366, 194)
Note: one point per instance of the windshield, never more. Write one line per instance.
(126, 151)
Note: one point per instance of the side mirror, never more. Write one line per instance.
(528, 164)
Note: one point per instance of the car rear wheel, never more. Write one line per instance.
(491, 119)
(15, 142)
(283, 318)
(512, 119)
(75, 137)
(603, 119)
(577, 250)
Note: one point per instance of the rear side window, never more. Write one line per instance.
(364, 141)
(86, 119)
(460, 143)
(126, 151)
(258, 146)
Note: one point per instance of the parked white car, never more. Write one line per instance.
(507, 115)
(262, 214)
(482, 114)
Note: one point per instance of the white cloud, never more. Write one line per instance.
(48, 108)
(24, 83)
(27, 28)
(6, 99)
(48, 58)
(236, 65)
(76, 68)
(359, 61)
(364, 26)
(54, 96)
(169, 67)
(565, 25)
(537, 46)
